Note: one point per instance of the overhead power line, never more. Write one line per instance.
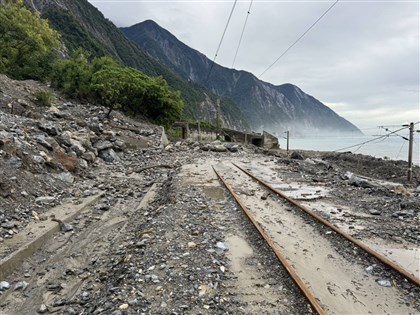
(371, 140)
(221, 40)
(301, 36)
(243, 31)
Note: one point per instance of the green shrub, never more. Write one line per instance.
(73, 75)
(43, 98)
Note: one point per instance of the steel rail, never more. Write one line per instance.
(358, 243)
(292, 272)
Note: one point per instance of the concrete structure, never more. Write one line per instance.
(196, 132)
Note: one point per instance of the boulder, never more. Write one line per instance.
(109, 155)
(103, 145)
(89, 156)
(49, 128)
(218, 148)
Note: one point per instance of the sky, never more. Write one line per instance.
(361, 59)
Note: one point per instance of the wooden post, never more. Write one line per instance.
(410, 152)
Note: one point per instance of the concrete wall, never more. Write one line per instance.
(270, 141)
(190, 131)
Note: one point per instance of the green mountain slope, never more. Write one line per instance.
(266, 106)
(82, 25)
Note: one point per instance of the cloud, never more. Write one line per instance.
(364, 54)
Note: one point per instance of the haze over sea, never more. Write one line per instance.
(392, 147)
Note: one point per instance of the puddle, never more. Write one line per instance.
(293, 190)
(217, 193)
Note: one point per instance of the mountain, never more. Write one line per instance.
(82, 25)
(274, 108)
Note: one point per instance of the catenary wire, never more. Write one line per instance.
(399, 152)
(221, 40)
(296, 41)
(371, 140)
(243, 31)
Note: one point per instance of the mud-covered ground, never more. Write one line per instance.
(189, 250)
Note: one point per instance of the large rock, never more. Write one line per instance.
(64, 177)
(109, 155)
(103, 145)
(49, 128)
(89, 156)
(46, 142)
(218, 148)
(77, 147)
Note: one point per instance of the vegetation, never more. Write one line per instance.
(29, 49)
(43, 98)
(82, 25)
(103, 80)
(27, 43)
(73, 75)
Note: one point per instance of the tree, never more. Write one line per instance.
(133, 91)
(73, 75)
(27, 43)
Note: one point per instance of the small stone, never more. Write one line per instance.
(42, 309)
(21, 285)
(265, 196)
(222, 268)
(85, 296)
(369, 269)
(192, 245)
(123, 306)
(133, 302)
(374, 212)
(221, 245)
(384, 283)
(44, 200)
(4, 285)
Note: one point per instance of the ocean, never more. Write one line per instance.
(393, 147)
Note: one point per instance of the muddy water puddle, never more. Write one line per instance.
(216, 193)
(292, 189)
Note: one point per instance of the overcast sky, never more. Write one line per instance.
(361, 59)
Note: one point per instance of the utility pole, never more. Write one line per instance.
(410, 152)
(218, 119)
(287, 137)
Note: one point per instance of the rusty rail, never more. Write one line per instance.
(358, 243)
(301, 285)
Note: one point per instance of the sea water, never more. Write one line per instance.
(392, 147)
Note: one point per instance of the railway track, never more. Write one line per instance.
(331, 283)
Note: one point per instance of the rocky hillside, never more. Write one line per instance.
(274, 108)
(82, 25)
